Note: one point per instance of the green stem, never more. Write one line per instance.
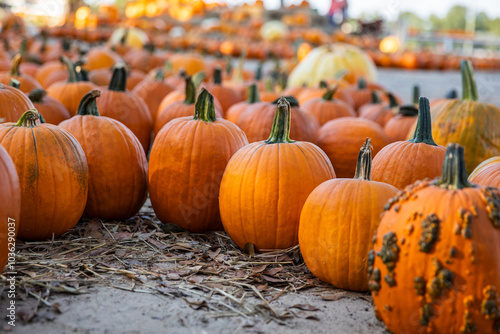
(375, 98)
(416, 93)
(14, 68)
(454, 174)
(323, 84)
(253, 94)
(392, 100)
(258, 72)
(118, 81)
(217, 76)
(328, 96)
(423, 131)
(160, 75)
(408, 110)
(150, 47)
(204, 109)
(268, 84)
(14, 83)
(452, 94)
(190, 91)
(37, 95)
(72, 76)
(364, 165)
(88, 104)
(469, 89)
(361, 83)
(42, 119)
(280, 132)
(290, 99)
(28, 119)
(229, 65)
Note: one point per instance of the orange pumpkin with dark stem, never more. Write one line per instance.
(359, 94)
(257, 121)
(180, 108)
(326, 108)
(185, 145)
(191, 63)
(341, 138)
(10, 205)
(152, 91)
(265, 185)
(51, 72)
(234, 112)
(435, 263)
(52, 110)
(227, 96)
(310, 93)
(70, 92)
(100, 58)
(405, 162)
(334, 240)
(114, 193)
(487, 173)
(13, 103)
(27, 83)
(380, 113)
(126, 107)
(398, 126)
(38, 151)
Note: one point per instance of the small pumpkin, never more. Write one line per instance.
(266, 183)
(50, 72)
(405, 162)
(227, 96)
(100, 58)
(51, 202)
(51, 109)
(234, 112)
(186, 145)
(435, 263)
(118, 172)
(378, 112)
(487, 173)
(13, 103)
(337, 223)
(27, 82)
(326, 108)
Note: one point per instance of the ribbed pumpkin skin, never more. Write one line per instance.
(186, 165)
(379, 113)
(227, 96)
(236, 110)
(264, 188)
(152, 92)
(325, 111)
(53, 175)
(117, 166)
(130, 110)
(52, 110)
(178, 95)
(70, 93)
(257, 121)
(13, 103)
(27, 82)
(472, 124)
(403, 163)
(10, 202)
(397, 127)
(336, 226)
(341, 139)
(487, 173)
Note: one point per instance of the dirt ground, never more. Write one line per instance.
(141, 277)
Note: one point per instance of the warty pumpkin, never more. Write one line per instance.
(10, 205)
(337, 223)
(188, 145)
(51, 109)
(266, 183)
(116, 160)
(27, 82)
(341, 138)
(487, 173)
(435, 263)
(405, 162)
(126, 107)
(53, 175)
(326, 108)
(13, 103)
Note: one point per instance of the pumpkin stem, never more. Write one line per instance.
(28, 119)
(190, 91)
(375, 98)
(469, 89)
(452, 94)
(229, 64)
(197, 79)
(118, 81)
(328, 96)
(37, 95)
(253, 94)
(160, 75)
(283, 81)
(123, 39)
(454, 174)
(423, 131)
(204, 109)
(268, 84)
(408, 110)
(323, 84)
(42, 119)
(361, 83)
(416, 94)
(258, 72)
(392, 100)
(72, 76)
(88, 104)
(364, 165)
(14, 83)
(290, 99)
(280, 132)
(217, 76)
(14, 68)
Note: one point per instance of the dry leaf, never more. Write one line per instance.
(305, 307)
(259, 269)
(334, 296)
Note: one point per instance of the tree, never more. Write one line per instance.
(455, 19)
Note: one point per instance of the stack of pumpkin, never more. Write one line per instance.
(274, 166)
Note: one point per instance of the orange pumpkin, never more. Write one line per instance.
(13, 103)
(191, 63)
(266, 183)
(53, 111)
(51, 202)
(234, 112)
(227, 96)
(326, 108)
(435, 263)
(398, 126)
(100, 58)
(379, 112)
(334, 240)
(186, 144)
(114, 193)
(51, 72)
(27, 83)
(487, 173)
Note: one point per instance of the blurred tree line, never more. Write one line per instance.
(455, 19)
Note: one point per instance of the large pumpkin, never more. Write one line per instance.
(435, 263)
(327, 61)
(13, 103)
(10, 206)
(337, 223)
(117, 162)
(405, 162)
(51, 109)
(53, 175)
(128, 108)
(266, 183)
(187, 161)
(468, 122)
